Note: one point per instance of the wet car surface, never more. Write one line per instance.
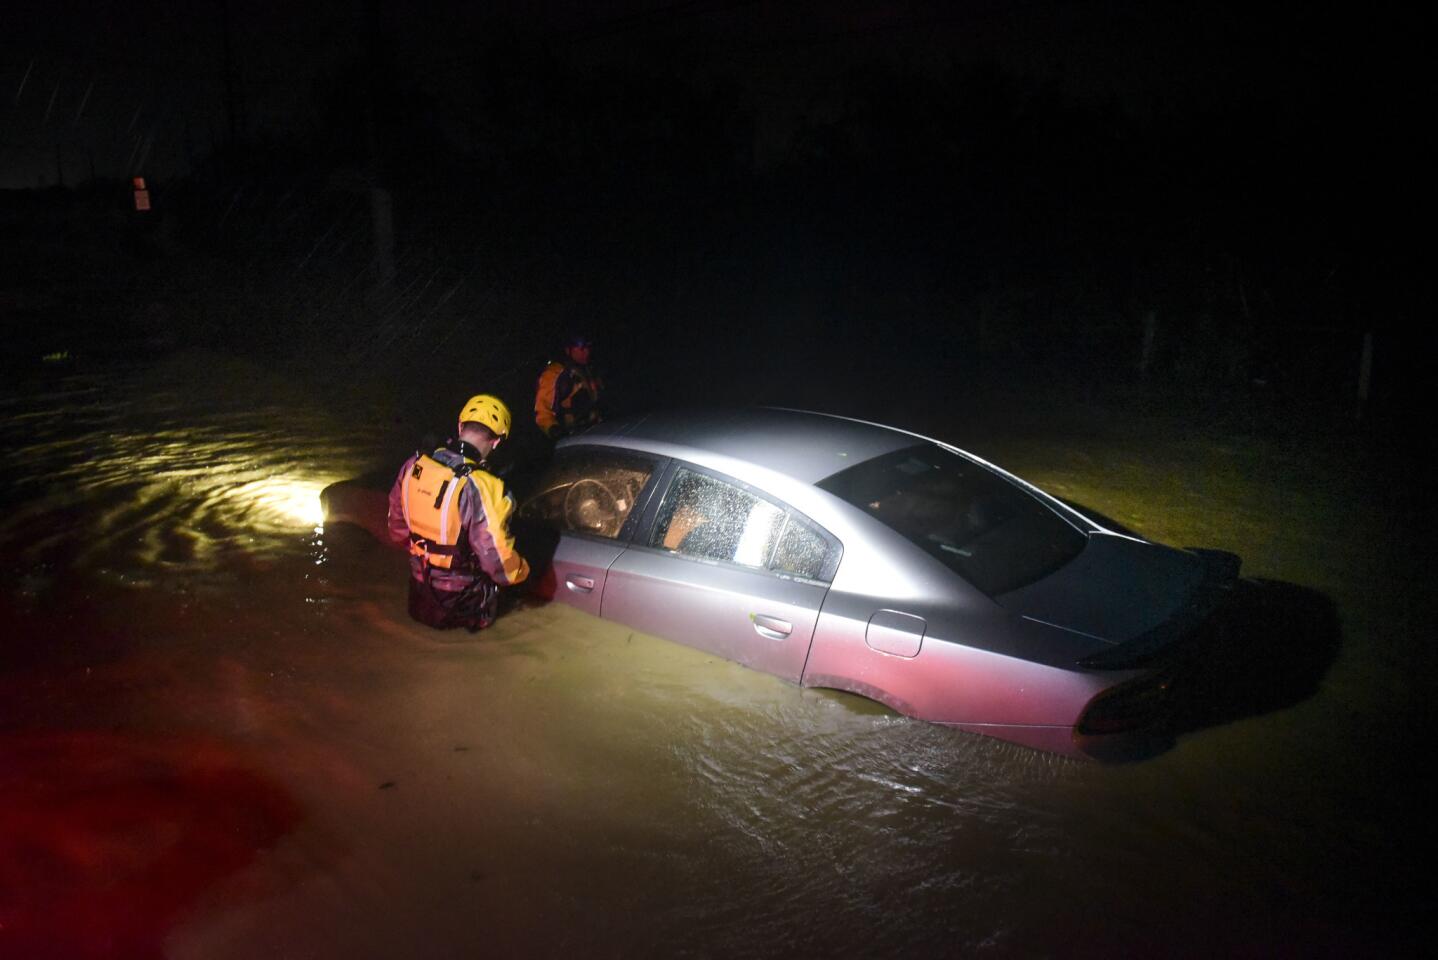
(848, 555)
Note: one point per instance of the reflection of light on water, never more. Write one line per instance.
(162, 483)
(280, 499)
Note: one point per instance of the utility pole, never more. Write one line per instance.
(1365, 372)
(381, 201)
(228, 65)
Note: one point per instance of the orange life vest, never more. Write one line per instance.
(431, 508)
(576, 408)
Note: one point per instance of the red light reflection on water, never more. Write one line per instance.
(107, 839)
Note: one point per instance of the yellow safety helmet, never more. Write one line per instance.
(489, 410)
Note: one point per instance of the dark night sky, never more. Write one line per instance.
(1244, 169)
(123, 84)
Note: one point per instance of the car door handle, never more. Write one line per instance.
(771, 627)
(579, 584)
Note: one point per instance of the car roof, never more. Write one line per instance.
(799, 444)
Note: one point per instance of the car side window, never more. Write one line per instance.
(707, 518)
(801, 550)
(592, 492)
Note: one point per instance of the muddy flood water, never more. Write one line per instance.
(221, 736)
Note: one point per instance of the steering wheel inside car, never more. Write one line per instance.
(591, 507)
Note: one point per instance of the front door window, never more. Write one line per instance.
(592, 492)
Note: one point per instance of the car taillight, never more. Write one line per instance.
(1126, 707)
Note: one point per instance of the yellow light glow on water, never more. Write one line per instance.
(285, 500)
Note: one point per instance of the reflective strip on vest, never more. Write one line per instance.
(404, 499)
(451, 489)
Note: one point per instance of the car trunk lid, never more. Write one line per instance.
(1119, 591)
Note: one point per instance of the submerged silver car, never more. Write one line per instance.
(843, 554)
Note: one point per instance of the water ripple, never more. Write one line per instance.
(113, 466)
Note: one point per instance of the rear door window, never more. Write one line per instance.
(708, 518)
(801, 550)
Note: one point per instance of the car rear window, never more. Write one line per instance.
(984, 527)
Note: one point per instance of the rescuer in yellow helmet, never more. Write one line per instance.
(567, 396)
(453, 515)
